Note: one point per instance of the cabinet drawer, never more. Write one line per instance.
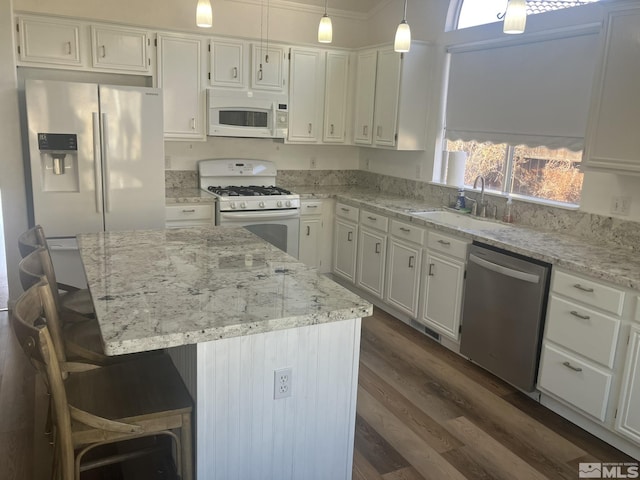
(590, 292)
(374, 220)
(582, 330)
(313, 207)
(574, 381)
(347, 211)
(190, 212)
(410, 233)
(443, 243)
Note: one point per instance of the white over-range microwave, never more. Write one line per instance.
(247, 114)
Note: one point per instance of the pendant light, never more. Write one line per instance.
(515, 18)
(403, 34)
(325, 30)
(204, 15)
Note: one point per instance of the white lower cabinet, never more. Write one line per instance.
(628, 419)
(372, 250)
(345, 244)
(403, 267)
(314, 248)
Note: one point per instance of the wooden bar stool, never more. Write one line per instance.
(95, 406)
(73, 299)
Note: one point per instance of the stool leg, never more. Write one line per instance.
(186, 442)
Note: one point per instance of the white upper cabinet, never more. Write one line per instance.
(227, 65)
(306, 95)
(335, 97)
(365, 97)
(400, 98)
(49, 41)
(613, 142)
(268, 67)
(179, 76)
(116, 48)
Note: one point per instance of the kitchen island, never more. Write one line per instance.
(234, 311)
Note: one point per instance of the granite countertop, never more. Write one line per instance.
(187, 195)
(155, 289)
(611, 263)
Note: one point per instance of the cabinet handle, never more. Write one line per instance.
(444, 242)
(379, 131)
(373, 219)
(192, 210)
(311, 206)
(68, 48)
(260, 74)
(377, 250)
(104, 51)
(349, 236)
(584, 289)
(576, 314)
(234, 73)
(568, 365)
(405, 229)
(365, 130)
(331, 129)
(431, 265)
(193, 123)
(308, 230)
(411, 261)
(310, 128)
(345, 209)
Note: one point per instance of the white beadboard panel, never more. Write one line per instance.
(244, 434)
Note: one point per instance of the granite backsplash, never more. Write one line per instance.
(597, 228)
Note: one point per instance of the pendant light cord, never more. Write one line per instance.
(266, 55)
(404, 18)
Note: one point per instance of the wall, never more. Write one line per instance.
(12, 185)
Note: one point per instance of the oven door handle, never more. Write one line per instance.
(259, 216)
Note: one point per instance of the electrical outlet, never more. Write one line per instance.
(313, 163)
(620, 205)
(282, 381)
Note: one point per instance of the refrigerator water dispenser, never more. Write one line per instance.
(59, 161)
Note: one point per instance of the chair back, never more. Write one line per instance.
(32, 270)
(36, 342)
(31, 240)
(37, 263)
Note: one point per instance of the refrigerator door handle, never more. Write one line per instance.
(105, 163)
(96, 161)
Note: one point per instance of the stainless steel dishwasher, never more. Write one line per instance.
(503, 313)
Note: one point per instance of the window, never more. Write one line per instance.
(540, 172)
(481, 12)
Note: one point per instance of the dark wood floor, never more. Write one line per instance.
(423, 413)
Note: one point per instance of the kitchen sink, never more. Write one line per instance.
(459, 220)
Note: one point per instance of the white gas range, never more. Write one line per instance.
(247, 196)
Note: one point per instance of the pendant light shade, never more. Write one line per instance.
(402, 42)
(204, 15)
(325, 29)
(515, 18)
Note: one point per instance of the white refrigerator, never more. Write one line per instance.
(97, 163)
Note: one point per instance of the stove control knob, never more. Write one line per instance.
(261, 204)
(243, 205)
(233, 205)
(288, 203)
(279, 203)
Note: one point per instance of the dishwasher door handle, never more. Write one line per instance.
(509, 272)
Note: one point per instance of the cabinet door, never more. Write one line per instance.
(335, 97)
(628, 419)
(613, 142)
(226, 64)
(365, 97)
(179, 76)
(305, 96)
(310, 230)
(49, 41)
(403, 270)
(120, 49)
(372, 249)
(443, 281)
(387, 94)
(268, 72)
(345, 248)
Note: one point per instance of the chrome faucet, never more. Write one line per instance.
(483, 207)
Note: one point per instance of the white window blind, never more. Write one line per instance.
(535, 92)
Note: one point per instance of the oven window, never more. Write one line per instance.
(243, 118)
(274, 234)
